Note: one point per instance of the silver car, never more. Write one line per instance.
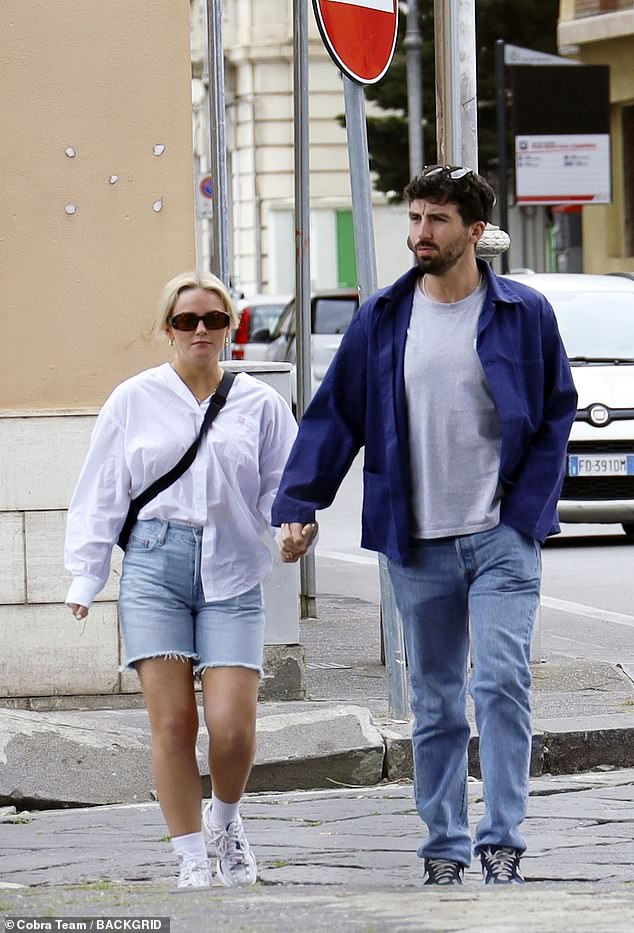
(330, 311)
(595, 314)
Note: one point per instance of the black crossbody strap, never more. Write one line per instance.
(216, 404)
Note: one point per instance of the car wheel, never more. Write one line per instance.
(628, 528)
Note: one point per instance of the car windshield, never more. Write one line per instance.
(264, 317)
(332, 315)
(596, 325)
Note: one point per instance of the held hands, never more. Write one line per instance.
(294, 540)
(80, 612)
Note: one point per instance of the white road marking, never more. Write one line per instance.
(549, 602)
(349, 558)
(562, 605)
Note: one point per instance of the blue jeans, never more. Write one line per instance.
(484, 588)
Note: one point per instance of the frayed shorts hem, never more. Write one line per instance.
(199, 668)
(130, 664)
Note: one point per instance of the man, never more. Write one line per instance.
(457, 383)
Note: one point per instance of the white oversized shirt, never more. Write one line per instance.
(143, 429)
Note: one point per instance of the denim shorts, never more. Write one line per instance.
(162, 608)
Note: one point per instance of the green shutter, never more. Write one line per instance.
(346, 258)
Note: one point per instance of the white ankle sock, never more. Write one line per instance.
(223, 813)
(190, 846)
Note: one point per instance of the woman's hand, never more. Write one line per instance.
(80, 612)
(294, 540)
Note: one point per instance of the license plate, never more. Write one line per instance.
(601, 465)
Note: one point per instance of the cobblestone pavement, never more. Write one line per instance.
(341, 859)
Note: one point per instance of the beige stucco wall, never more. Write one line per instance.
(111, 80)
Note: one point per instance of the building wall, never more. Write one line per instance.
(110, 81)
(606, 38)
(87, 91)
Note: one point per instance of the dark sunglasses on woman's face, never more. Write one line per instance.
(213, 320)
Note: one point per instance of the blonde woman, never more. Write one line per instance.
(190, 598)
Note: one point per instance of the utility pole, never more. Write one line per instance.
(456, 82)
(457, 100)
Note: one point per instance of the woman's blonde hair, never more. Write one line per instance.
(180, 283)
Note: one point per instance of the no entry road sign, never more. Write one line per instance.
(359, 34)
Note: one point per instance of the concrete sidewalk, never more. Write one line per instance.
(342, 860)
(340, 735)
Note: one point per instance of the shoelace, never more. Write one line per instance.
(232, 845)
(502, 863)
(442, 870)
(191, 869)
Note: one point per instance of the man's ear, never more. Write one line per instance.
(477, 229)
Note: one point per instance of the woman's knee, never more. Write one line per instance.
(175, 732)
(232, 739)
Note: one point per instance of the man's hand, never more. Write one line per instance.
(80, 612)
(294, 540)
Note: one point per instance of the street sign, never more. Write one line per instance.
(516, 55)
(206, 187)
(204, 196)
(360, 35)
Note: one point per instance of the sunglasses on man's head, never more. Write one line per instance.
(451, 171)
(213, 320)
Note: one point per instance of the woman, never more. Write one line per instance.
(190, 601)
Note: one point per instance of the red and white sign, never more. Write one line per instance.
(563, 169)
(360, 35)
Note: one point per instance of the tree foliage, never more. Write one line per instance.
(531, 24)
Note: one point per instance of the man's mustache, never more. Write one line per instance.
(411, 246)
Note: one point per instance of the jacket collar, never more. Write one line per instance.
(498, 289)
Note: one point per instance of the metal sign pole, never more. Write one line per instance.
(366, 268)
(500, 101)
(218, 144)
(413, 45)
(307, 596)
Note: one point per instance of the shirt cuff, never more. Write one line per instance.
(83, 590)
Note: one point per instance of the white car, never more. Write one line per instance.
(595, 314)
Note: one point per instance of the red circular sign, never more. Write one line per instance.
(359, 34)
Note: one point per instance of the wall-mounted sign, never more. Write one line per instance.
(556, 169)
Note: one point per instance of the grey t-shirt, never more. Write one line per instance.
(455, 435)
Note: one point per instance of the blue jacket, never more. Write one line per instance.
(361, 401)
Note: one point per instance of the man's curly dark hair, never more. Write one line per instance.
(472, 195)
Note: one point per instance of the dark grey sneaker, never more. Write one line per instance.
(442, 871)
(501, 865)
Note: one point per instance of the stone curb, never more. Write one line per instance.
(71, 765)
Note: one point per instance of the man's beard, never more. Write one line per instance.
(437, 263)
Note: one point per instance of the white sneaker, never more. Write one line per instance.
(195, 873)
(235, 862)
